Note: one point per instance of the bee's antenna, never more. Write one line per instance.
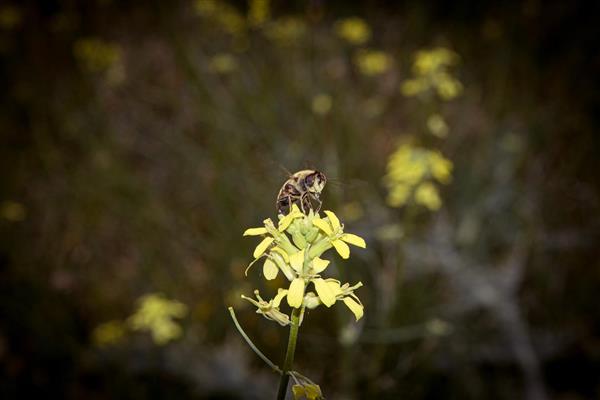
(309, 165)
(285, 170)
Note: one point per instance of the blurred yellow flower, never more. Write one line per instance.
(426, 194)
(411, 173)
(155, 313)
(321, 104)
(285, 31)
(223, 63)
(206, 7)
(437, 125)
(353, 30)
(10, 17)
(223, 14)
(99, 56)
(429, 61)
(12, 211)
(412, 87)
(447, 86)
(96, 54)
(259, 12)
(431, 70)
(372, 62)
(109, 333)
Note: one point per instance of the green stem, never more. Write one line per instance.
(289, 355)
(252, 345)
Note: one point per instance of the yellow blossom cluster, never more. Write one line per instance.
(411, 173)
(431, 72)
(295, 247)
(155, 314)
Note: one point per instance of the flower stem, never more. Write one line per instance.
(252, 345)
(289, 355)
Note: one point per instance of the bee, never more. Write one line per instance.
(303, 188)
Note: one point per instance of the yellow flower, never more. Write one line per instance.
(353, 30)
(259, 12)
(427, 195)
(295, 248)
(411, 172)
(10, 17)
(12, 211)
(225, 15)
(321, 104)
(285, 31)
(223, 63)
(429, 61)
(431, 70)
(108, 333)
(437, 125)
(372, 62)
(270, 309)
(307, 391)
(155, 313)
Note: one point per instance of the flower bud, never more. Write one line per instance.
(319, 248)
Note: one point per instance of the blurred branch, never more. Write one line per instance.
(493, 288)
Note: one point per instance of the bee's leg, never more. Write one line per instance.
(319, 204)
(289, 205)
(305, 203)
(284, 205)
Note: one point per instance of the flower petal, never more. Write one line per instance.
(354, 239)
(287, 220)
(255, 231)
(319, 265)
(298, 392)
(297, 261)
(324, 291)
(262, 246)
(357, 309)
(281, 293)
(296, 293)
(282, 252)
(335, 222)
(334, 286)
(342, 248)
(270, 270)
(323, 225)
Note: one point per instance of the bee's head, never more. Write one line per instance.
(315, 182)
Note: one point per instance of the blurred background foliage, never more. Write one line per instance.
(140, 139)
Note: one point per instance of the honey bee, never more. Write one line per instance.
(303, 188)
